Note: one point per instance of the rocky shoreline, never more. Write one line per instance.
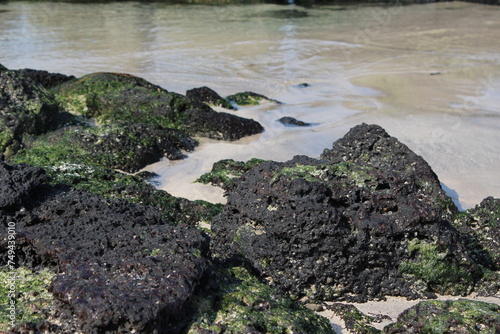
(99, 250)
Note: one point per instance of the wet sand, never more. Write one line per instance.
(391, 307)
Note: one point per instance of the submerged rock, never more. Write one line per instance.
(120, 266)
(249, 98)
(363, 222)
(111, 97)
(290, 121)
(440, 317)
(208, 96)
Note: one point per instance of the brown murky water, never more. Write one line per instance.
(429, 74)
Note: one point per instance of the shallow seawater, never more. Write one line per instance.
(429, 74)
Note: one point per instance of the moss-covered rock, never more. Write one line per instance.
(434, 264)
(482, 225)
(120, 266)
(224, 173)
(32, 298)
(440, 317)
(364, 222)
(26, 108)
(66, 163)
(235, 301)
(249, 99)
(208, 96)
(128, 147)
(355, 320)
(112, 97)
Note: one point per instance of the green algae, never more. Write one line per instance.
(109, 97)
(224, 173)
(240, 302)
(433, 265)
(355, 320)
(440, 317)
(352, 173)
(66, 161)
(31, 295)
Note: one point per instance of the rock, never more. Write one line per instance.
(482, 226)
(112, 97)
(222, 126)
(369, 222)
(128, 147)
(46, 79)
(68, 162)
(235, 301)
(290, 121)
(458, 316)
(147, 175)
(249, 98)
(3, 68)
(208, 96)
(26, 108)
(224, 173)
(120, 266)
(372, 146)
(17, 183)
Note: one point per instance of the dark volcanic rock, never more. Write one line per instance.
(372, 146)
(44, 78)
(482, 226)
(290, 121)
(17, 182)
(451, 316)
(209, 96)
(25, 108)
(110, 97)
(208, 123)
(121, 267)
(369, 222)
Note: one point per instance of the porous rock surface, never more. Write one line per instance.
(366, 220)
(121, 267)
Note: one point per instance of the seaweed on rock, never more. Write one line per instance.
(120, 266)
(363, 222)
(111, 97)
